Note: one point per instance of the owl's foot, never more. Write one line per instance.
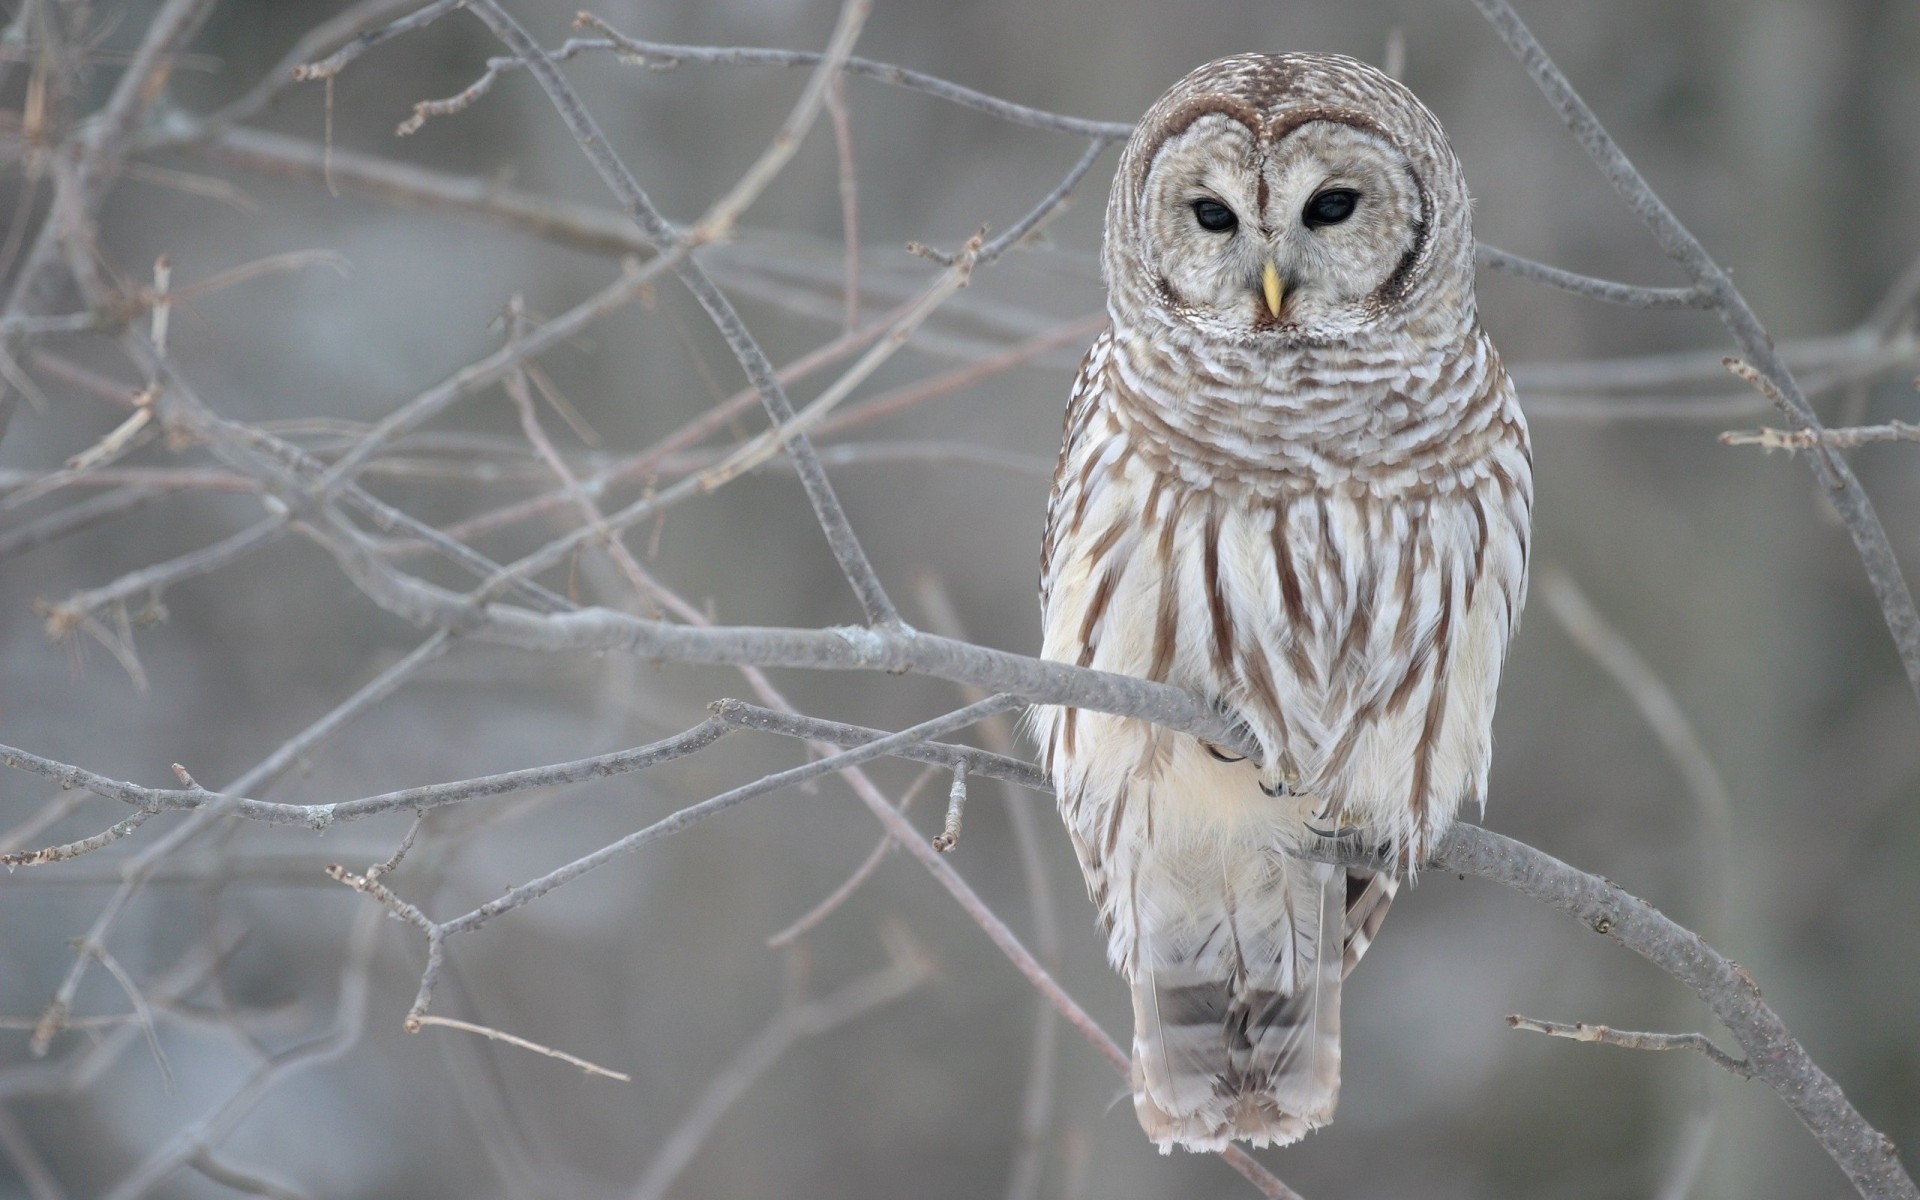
(1274, 791)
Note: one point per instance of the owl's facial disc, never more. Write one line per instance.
(1307, 236)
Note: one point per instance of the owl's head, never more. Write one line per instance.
(1291, 199)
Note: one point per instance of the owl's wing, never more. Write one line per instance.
(1369, 893)
(1066, 500)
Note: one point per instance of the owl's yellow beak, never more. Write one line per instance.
(1276, 291)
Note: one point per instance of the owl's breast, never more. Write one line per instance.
(1358, 635)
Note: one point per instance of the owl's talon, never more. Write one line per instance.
(1276, 791)
(1222, 756)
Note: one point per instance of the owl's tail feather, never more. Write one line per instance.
(1237, 1017)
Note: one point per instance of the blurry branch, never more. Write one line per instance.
(348, 26)
(340, 1035)
(1037, 1102)
(1585, 285)
(849, 195)
(665, 56)
(719, 220)
(1838, 439)
(241, 1180)
(794, 1023)
(40, 1181)
(1662, 714)
(832, 518)
(64, 617)
(1670, 726)
(82, 182)
(333, 64)
(1606, 1036)
(313, 494)
(809, 920)
(1837, 479)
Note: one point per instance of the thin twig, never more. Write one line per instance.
(333, 64)
(718, 222)
(849, 194)
(1670, 726)
(69, 850)
(497, 1035)
(416, 799)
(765, 446)
(1607, 1036)
(662, 54)
(810, 920)
(1585, 285)
(811, 1019)
(1846, 438)
(66, 616)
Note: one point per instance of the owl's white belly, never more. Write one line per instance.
(1359, 637)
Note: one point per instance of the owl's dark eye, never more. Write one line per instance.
(1330, 207)
(1214, 216)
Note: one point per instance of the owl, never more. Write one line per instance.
(1295, 481)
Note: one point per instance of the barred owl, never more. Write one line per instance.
(1295, 481)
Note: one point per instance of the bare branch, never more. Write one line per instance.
(333, 64)
(64, 617)
(241, 1180)
(416, 799)
(1585, 285)
(1865, 1154)
(1670, 726)
(846, 546)
(100, 148)
(719, 220)
(849, 194)
(813, 729)
(660, 55)
(1843, 488)
(515, 897)
(634, 280)
(512, 1040)
(760, 449)
(67, 850)
(1850, 438)
(1606, 1036)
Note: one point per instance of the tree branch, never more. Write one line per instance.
(1838, 481)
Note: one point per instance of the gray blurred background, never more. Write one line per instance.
(1782, 131)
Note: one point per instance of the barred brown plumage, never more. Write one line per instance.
(1294, 479)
